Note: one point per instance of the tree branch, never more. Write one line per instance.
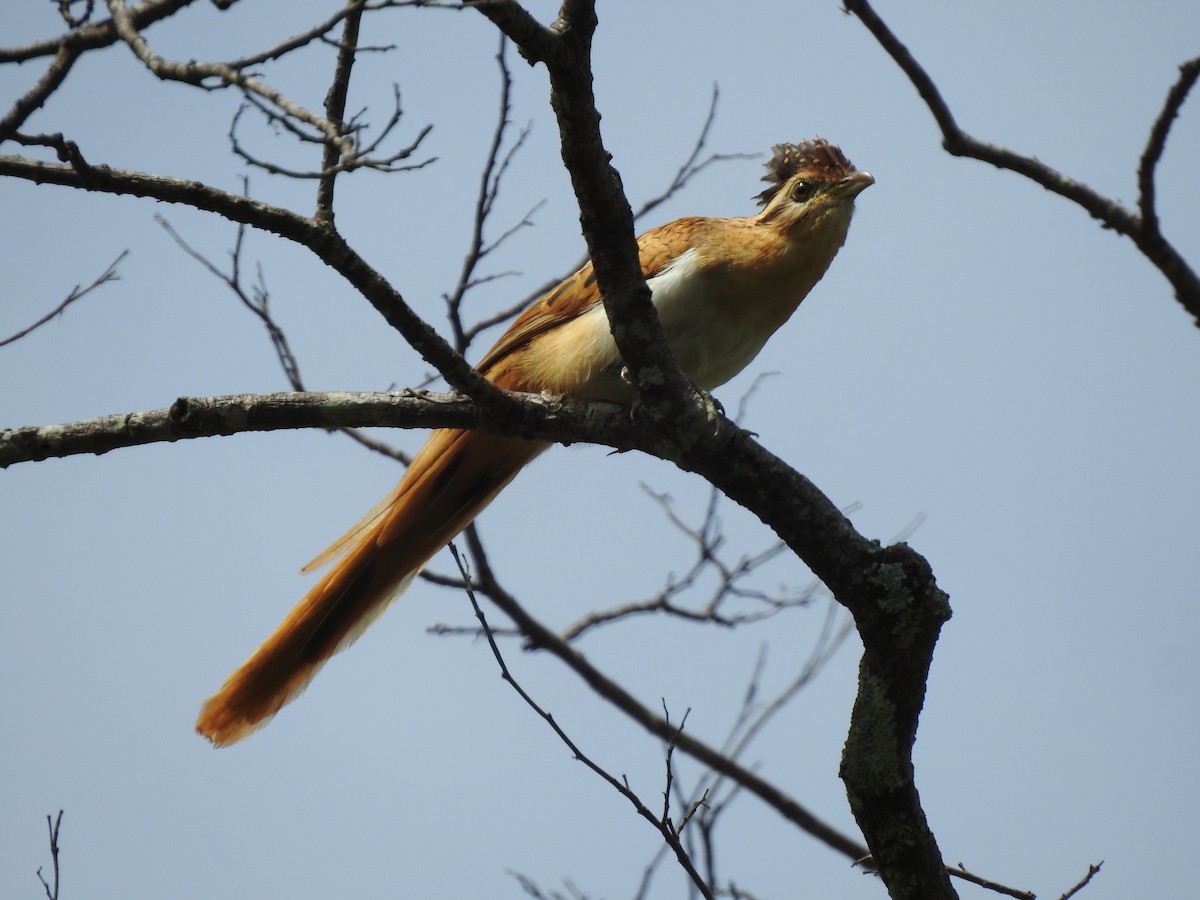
(93, 37)
(490, 178)
(898, 609)
(664, 826)
(535, 42)
(530, 415)
(77, 293)
(542, 637)
(1092, 872)
(324, 242)
(1155, 144)
(196, 73)
(33, 99)
(693, 165)
(51, 887)
(335, 108)
(1142, 230)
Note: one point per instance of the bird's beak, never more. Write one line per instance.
(855, 184)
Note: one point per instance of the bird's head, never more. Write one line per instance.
(809, 183)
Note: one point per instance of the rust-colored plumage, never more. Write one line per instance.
(721, 287)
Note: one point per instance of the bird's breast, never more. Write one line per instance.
(719, 311)
(717, 306)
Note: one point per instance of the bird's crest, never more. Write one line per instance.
(822, 159)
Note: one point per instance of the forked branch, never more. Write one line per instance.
(664, 824)
(77, 293)
(1140, 227)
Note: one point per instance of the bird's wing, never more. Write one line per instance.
(577, 294)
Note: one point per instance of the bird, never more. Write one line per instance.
(720, 287)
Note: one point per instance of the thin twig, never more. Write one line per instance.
(73, 20)
(963, 874)
(92, 36)
(1083, 882)
(693, 165)
(257, 300)
(203, 74)
(335, 107)
(53, 826)
(360, 159)
(77, 293)
(490, 179)
(1188, 74)
(328, 246)
(663, 826)
(542, 637)
(283, 48)
(708, 540)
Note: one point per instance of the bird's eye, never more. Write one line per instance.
(802, 190)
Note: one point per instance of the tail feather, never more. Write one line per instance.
(353, 535)
(456, 474)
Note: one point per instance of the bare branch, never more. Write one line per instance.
(53, 825)
(729, 577)
(275, 119)
(77, 293)
(335, 107)
(257, 299)
(94, 36)
(73, 20)
(376, 446)
(535, 42)
(360, 159)
(663, 826)
(708, 540)
(201, 74)
(536, 416)
(541, 637)
(1141, 230)
(363, 158)
(667, 395)
(962, 874)
(325, 243)
(317, 32)
(1083, 882)
(103, 34)
(1188, 73)
(689, 169)
(33, 99)
(693, 165)
(490, 179)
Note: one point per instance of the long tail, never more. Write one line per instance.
(456, 474)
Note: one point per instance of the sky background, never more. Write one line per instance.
(981, 354)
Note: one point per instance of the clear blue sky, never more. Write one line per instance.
(981, 354)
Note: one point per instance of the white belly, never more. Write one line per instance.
(710, 345)
(715, 325)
